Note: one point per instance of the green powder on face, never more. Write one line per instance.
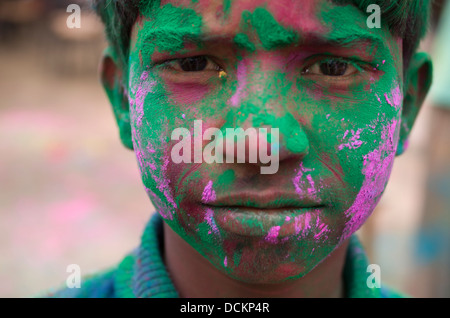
(296, 140)
(270, 32)
(226, 178)
(243, 42)
(170, 28)
(227, 7)
(290, 130)
(237, 256)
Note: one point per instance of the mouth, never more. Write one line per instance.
(270, 215)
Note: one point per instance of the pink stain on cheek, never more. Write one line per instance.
(353, 142)
(242, 82)
(379, 99)
(311, 189)
(323, 229)
(376, 169)
(396, 97)
(144, 88)
(300, 186)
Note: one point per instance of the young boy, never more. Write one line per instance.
(334, 96)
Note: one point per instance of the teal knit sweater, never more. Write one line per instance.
(142, 274)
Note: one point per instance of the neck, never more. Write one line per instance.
(194, 276)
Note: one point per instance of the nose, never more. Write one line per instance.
(259, 110)
(269, 144)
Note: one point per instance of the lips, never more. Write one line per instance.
(270, 214)
(267, 200)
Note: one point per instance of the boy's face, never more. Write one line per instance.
(314, 70)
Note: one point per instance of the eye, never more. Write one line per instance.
(193, 64)
(331, 67)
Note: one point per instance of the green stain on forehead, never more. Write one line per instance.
(243, 42)
(168, 27)
(270, 32)
(227, 7)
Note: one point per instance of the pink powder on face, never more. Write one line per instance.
(144, 88)
(353, 142)
(405, 144)
(144, 76)
(376, 169)
(209, 195)
(378, 97)
(144, 150)
(163, 210)
(242, 82)
(225, 261)
(311, 189)
(209, 218)
(396, 97)
(298, 15)
(297, 180)
(302, 224)
(273, 234)
(150, 148)
(323, 229)
(303, 188)
(345, 134)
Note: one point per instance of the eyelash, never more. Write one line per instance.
(360, 66)
(164, 65)
(357, 64)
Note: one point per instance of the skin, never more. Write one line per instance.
(338, 136)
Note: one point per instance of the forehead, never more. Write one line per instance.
(268, 20)
(223, 15)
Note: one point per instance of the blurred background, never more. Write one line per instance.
(70, 193)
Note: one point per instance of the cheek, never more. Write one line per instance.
(186, 94)
(377, 166)
(150, 127)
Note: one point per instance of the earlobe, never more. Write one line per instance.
(112, 79)
(417, 83)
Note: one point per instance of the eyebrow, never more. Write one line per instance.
(313, 39)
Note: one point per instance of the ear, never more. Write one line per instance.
(113, 82)
(418, 79)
